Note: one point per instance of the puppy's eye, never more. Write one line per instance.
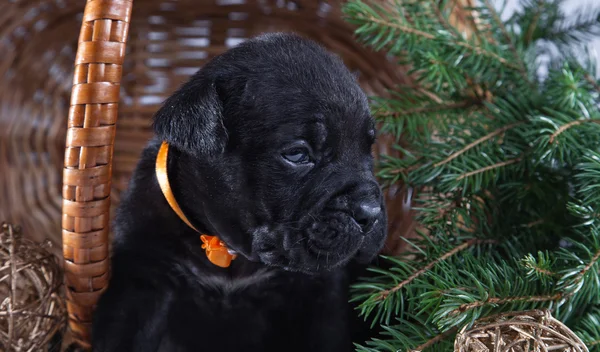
(297, 156)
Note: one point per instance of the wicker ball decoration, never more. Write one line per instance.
(31, 309)
(528, 331)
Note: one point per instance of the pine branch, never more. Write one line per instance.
(544, 271)
(472, 242)
(587, 268)
(435, 340)
(592, 81)
(534, 223)
(479, 27)
(477, 142)
(414, 331)
(507, 38)
(402, 28)
(499, 301)
(497, 158)
(579, 282)
(489, 168)
(404, 169)
(540, 269)
(429, 93)
(532, 26)
(565, 127)
(428, 36)
(440, 17)
(587, 186)
(588, 329)
(422, 109)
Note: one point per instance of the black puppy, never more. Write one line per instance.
(270, 150)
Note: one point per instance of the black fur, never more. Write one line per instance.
(303, 231)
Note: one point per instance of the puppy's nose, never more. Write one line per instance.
(366, 213)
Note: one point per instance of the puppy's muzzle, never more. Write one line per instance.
(350, 223)
(349, 220)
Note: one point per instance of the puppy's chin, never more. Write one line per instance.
(322, 245)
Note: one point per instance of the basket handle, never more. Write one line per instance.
(88, 158)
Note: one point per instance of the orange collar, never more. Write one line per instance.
(216, 250)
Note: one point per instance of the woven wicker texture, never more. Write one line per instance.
(126, 70)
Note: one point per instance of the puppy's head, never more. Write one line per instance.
(274, 141)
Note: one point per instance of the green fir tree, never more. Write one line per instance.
(506, 162)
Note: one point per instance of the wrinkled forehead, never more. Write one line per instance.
(320, 110)
(321, 128)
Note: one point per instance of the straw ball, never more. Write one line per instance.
(31, 308)
(529, 331)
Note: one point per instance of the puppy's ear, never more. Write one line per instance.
(192, 119)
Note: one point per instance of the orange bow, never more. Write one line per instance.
(217, 251)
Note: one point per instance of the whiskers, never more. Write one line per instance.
(303, 238)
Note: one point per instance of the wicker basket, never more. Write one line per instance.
(126, 71)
